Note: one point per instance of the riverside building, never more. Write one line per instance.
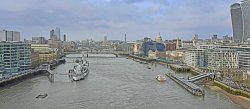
(195, 58)
(222, 59)
(14, 57)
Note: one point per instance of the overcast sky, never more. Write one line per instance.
(86, 19)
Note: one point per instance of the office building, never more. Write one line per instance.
(47, 57)
(240, 14)
(153, 46)
(34, 59)
(9, 35)
(172, 45)
(40, 47)
(39, 40)
(15, 57)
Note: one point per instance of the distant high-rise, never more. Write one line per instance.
(55, 34)
(9, 35)
(64, 37)
(105, 38)
(52, 33)
(240, 14)
(125, 38)
(39, 40)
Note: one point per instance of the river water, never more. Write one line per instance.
(113, 83)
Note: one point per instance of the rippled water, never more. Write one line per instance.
(112, 83)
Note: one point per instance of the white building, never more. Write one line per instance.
(207, 46)
(244, 59)
(9, 35)
(195, 58)
(222, 59)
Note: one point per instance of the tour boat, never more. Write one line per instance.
(161, 78)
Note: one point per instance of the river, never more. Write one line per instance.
(113, 83)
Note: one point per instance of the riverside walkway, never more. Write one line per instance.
(45, 68)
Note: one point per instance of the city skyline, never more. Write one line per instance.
(113, 18)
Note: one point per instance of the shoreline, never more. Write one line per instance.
(243, 102)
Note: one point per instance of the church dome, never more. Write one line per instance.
(158, 38)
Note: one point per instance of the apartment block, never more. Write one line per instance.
(195, 58)
(222, 59)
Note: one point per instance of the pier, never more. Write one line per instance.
(189, 86)
(141, 58)
(179, 68)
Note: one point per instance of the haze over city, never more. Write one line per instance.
(86, 19)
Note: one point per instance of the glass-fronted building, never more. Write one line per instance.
(240, 14)
(14, 57)
(153, 46)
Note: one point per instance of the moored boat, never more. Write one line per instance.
(80, 71)
(42, 95)
(161, 78)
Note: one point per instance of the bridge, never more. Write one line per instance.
(46, 68)
(98, 51)
(98, 54)
(200, 76)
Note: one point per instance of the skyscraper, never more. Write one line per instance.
(125, 38)
(105, 38)
(55, 34)
(240, 14)
(64, 37)
(52, 34)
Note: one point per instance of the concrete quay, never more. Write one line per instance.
(27, 74)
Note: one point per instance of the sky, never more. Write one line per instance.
(94, 19)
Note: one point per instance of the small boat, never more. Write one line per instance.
(42, 95)
(148, 67)
(143, 62)
(161, 78)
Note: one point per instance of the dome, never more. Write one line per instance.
(158, 38)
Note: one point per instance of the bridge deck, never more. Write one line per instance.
(198, 77)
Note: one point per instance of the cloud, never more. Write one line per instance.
(82, 19)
